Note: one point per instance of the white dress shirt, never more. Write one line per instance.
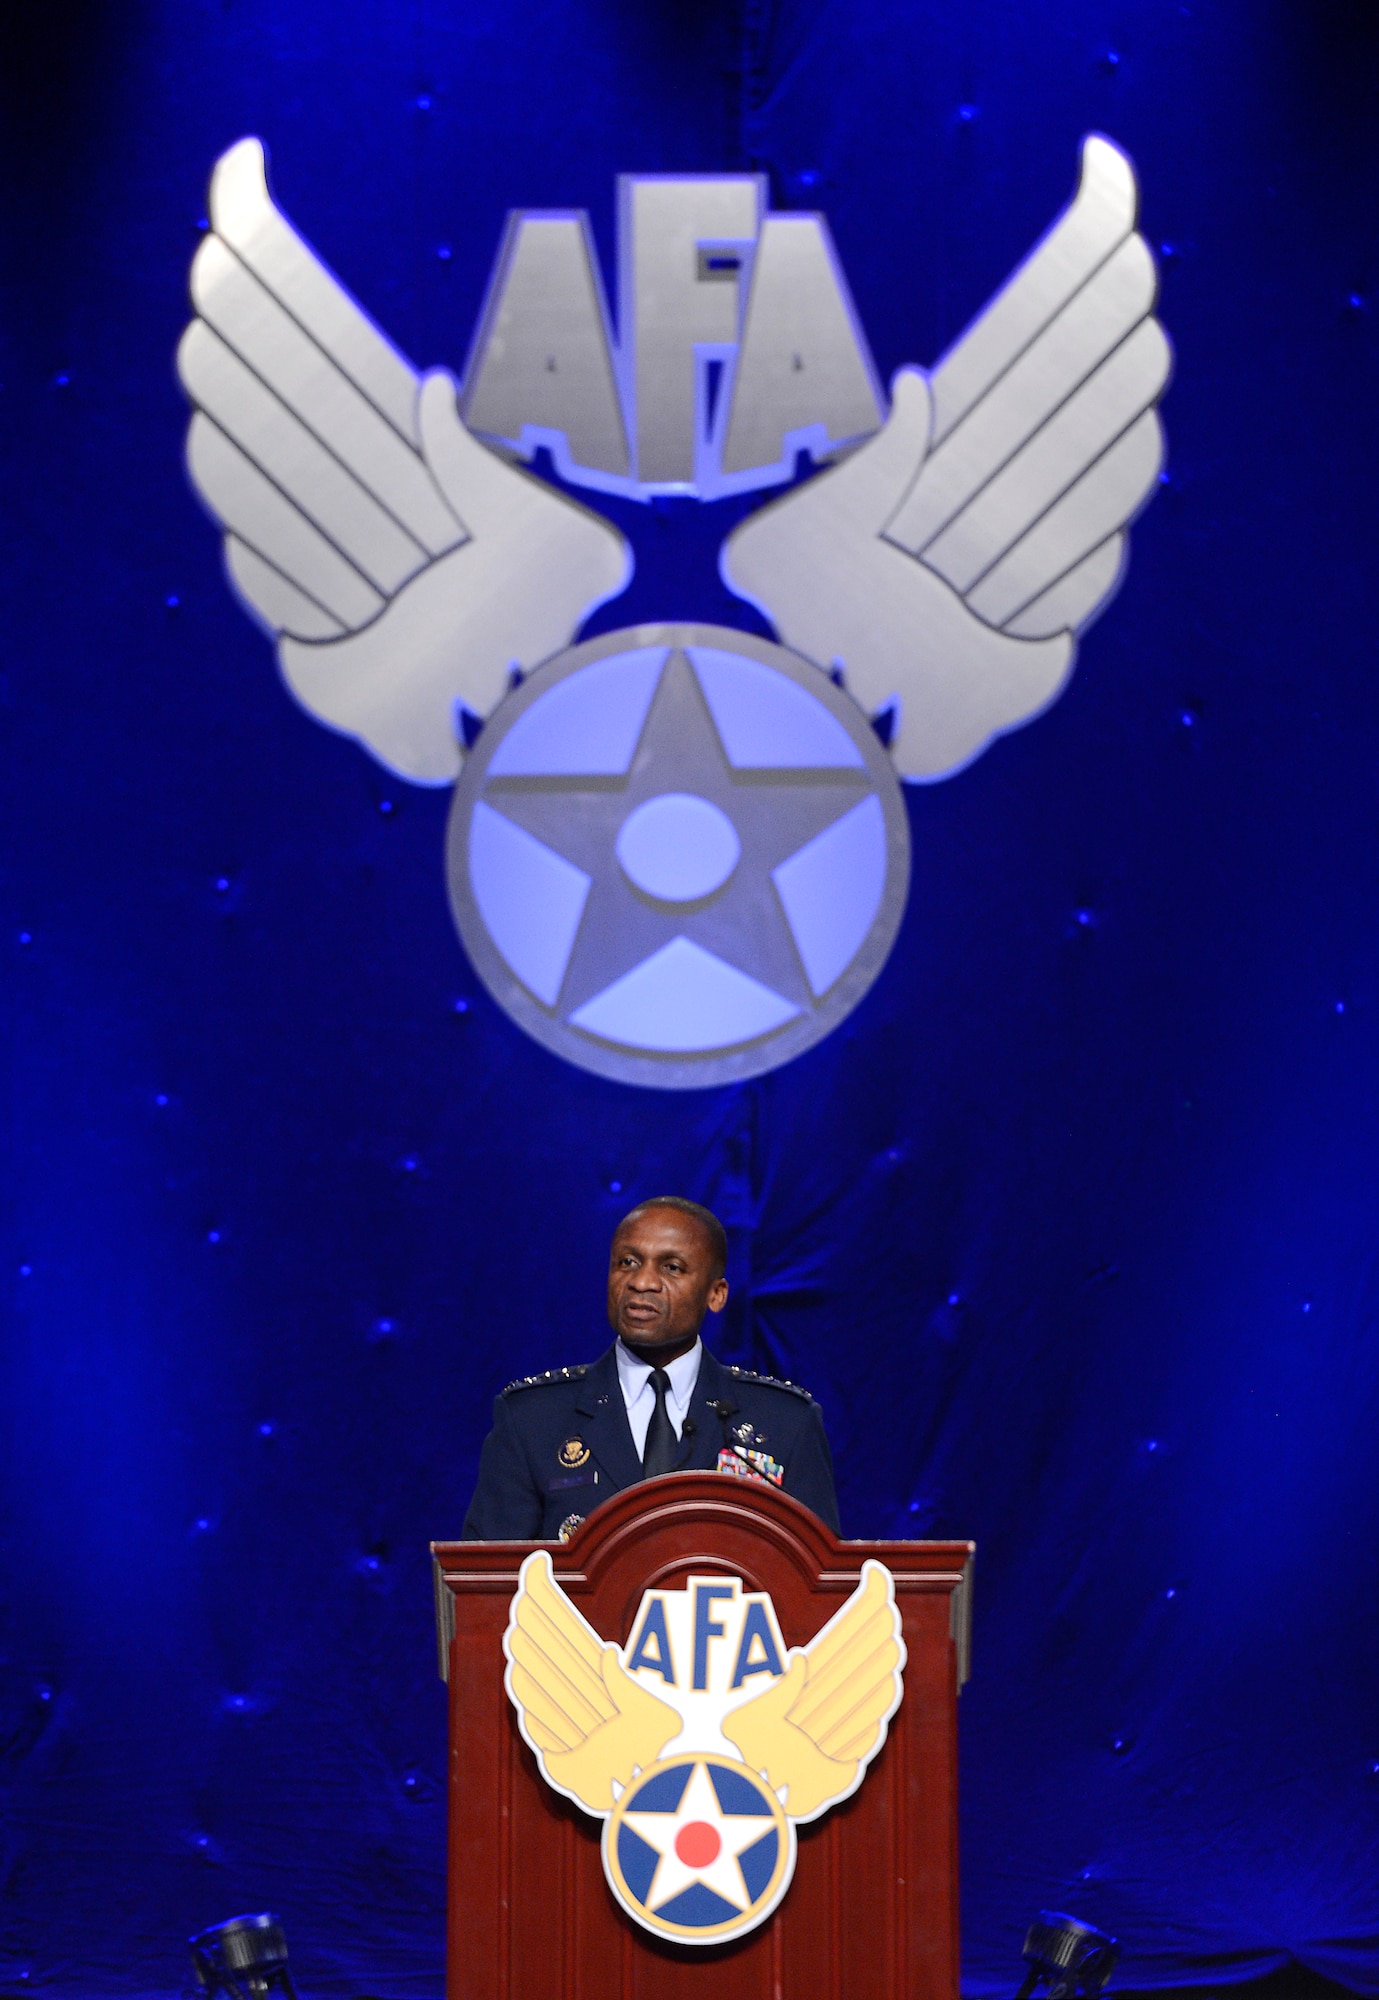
(640, 1397)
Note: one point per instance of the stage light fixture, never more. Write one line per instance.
(1071, 1955)
(245, 1958)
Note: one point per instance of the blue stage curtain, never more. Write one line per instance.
(1071, 1227)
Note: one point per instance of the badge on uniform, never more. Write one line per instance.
(756, 1465)
(574, 1453)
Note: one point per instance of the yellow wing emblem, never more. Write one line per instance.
(589, 1722)
(813, 1732)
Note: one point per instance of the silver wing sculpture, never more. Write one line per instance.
(950, 563)
(401, 566)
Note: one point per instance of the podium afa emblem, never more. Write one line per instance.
(678, 855)
(705, 1741)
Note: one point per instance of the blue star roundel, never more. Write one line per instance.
(699, 1850)
(678, 855)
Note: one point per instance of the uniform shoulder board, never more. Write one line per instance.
(768, 1382)
(551, 1375)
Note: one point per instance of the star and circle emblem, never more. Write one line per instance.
(699, 1849)
(678, 855)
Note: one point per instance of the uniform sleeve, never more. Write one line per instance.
(809, 1471)
(507, 1503)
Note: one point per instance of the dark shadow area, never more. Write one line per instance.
(1329, 52)
(1290, 1982)
(55, 73)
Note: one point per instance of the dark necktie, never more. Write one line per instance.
(661, 1447)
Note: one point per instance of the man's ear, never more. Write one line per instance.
(718, 1295)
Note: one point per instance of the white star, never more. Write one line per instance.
(772, 813)
(698, 1843)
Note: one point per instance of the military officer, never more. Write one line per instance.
(656, 1402)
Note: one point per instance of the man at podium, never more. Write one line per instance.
(657, 1401)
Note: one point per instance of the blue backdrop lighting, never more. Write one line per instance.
(1070, 1227)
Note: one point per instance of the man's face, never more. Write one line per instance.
(661, 1279)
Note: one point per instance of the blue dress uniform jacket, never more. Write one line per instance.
(561, 1445)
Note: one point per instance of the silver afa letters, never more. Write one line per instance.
(541, 367)
(737, 343)
(803, 378)
(684, 248)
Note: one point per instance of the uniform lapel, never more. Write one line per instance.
(608, 1433)
(699, 1450)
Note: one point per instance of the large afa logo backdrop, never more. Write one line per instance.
(677, 855)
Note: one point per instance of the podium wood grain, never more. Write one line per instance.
(872, 1913)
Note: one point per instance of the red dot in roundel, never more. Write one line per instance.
(697, 1844)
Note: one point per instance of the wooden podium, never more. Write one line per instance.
(872, 1913)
